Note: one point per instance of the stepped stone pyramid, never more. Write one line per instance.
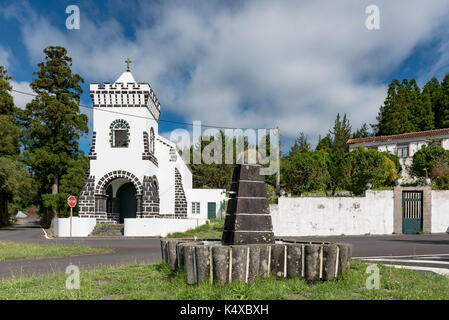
(248, 219)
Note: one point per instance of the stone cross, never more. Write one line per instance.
(127, 61)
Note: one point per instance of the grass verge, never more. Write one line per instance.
(15, 250)
(213, 229)
(156, 281)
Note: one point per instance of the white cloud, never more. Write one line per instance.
(21, 99)
(288, 63)
(4, 57)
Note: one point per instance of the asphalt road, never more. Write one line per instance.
(124, 251)
(147, 250)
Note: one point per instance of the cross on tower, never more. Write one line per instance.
(127, 61)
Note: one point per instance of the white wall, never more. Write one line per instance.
(81, 227)
(154, 227)
(308, 216)
(440, 211)
(203, 196)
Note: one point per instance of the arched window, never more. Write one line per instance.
(152, 141)
(119, 135)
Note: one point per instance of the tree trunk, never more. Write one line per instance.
(3, 209)
(54, 191)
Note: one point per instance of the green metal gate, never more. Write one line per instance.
(211, 210)
(412, 212)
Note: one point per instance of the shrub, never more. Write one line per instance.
(426, 158)
(366, 166)
(305, 171)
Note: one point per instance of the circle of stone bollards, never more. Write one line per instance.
(207, 260)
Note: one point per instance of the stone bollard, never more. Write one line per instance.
(294, 261)
(312, 262)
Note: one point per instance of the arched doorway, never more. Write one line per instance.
(128, 201)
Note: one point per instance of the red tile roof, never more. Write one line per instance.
(427, 133)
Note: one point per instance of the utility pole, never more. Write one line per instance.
(278, 173)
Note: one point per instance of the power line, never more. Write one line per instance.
(142, 117)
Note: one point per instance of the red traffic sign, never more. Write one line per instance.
(71, 201)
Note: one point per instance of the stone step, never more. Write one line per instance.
(108, 230)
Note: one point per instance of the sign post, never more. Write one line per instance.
(71, 201)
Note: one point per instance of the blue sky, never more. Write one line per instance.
(292, 64)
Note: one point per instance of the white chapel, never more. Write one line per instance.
(134, 172)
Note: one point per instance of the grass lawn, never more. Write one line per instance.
(14, 250)
(212, 230)
(155, 281)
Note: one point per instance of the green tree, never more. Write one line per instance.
(301, 145)
(434, 92)
(394, 117)
(443, 115)
(325, 144)
(341, 133)
(425, 158)
(15, 180)
(305, 171)
(53, 124)
(339, 171)
(419, 107)
(362, 132)
(366, 166)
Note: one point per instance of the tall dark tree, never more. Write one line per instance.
(53, 124)
(393, 117)
(341, 133)
(324, 144)
(15, 180)
(419, 106)
(433, 91)
(443, 115)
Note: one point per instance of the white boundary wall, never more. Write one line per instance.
(310, 216)
(154, 227)
(440, 211)
(81, 227)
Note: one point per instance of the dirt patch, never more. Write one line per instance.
(296, 297)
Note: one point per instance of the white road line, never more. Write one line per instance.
(45, 234)
(404, 256)
(409, 261)
(442, 271)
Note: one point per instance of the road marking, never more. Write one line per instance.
(405, 256)
(441, 271)
(45, 234)
(409, 261)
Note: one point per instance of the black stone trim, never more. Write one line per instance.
(102, 183)
(150, 197)
(180, 196)
(111, 131)
(87, 197)
(147, 155)
(92, 153)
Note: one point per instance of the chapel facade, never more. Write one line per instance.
(134, 172)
